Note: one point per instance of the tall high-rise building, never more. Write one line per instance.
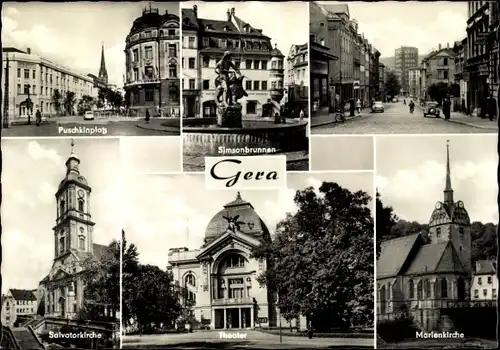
(405, 57)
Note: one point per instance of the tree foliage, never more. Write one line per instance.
(321, 259)
(85, 104)
(69, 102)
(439, 91)
(386, 219)
(392, 85)
(56, 97)
(112, 97)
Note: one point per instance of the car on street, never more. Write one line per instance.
(378, 106)
(395, 99)
(89, 115)
(431, 109)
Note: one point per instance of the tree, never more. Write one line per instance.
(117, 99)
(69, 102)
(85, 104)
(101, 279)
(484, 241)
(392, 85)
(438, 91)
(386, 219)
(56, 97)
(321, 259)
(130, 267)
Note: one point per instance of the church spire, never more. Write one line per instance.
(448, 191)
(103, 73)
(73, 162)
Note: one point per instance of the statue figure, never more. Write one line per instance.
(228, 75)
(233, 223)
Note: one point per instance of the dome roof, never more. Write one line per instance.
(151, 18)
(276, 52)
(73, 176)
(250, 222)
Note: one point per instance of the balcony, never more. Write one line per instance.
(232, 301)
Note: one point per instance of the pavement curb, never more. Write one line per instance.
(160, 130)
(335, 122)
(472, 125)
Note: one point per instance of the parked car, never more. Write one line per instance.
(378, 106)
(395, 99)
(89, 115)
(431, 109)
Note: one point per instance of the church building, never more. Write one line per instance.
(73, 244)
(220, 278)
(422, 277)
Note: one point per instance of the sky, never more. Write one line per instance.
(285, 23)
(151, 155)
(71, 33)
(411, 174)
(168, 211)
(32, 171)
(389, 24)
(343, 153)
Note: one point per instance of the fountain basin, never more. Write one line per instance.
(255, 137)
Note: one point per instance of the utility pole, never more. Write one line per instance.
(6, 95)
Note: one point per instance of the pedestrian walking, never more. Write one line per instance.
(38, 116)
(446, 108)
(310, 330)
(147, 116)
(492, 108)
(412, 106)
(358, 106)
(404, 101)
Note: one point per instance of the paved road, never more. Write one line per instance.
(396, 120)
(254, 340)
(91, 128)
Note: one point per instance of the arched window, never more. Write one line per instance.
(411, 289)
(235, 260)
(419, 290)
(81, 204)
(61, 244)
(191, 280)
(81, 242)
(427, 289)
(62, 206)
(444, 288)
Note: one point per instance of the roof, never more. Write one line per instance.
(394, 253)
(22, 294)
(485, 267)
(337, 8)
(276, 52)
(189, 18)
(12, 49)
(448, 50)
(101, 250)
(435, 257)
(151, 19)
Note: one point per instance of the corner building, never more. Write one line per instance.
(204, 43)
(220, 277)
(152, 64)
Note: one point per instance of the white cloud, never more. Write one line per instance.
(10, 11)
(311, 181)
(46, 192)
(21, 197)
(37, 152)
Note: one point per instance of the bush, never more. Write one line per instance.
(397, 330)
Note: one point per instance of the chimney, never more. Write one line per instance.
(195, 9)
(439, 47)
(447, 45)
(28, 51)
(478, 265)
(232, 11)
(166, 12)
(228, 15)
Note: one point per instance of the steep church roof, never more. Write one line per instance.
(437, 257)
(394, 253)
(103, 73)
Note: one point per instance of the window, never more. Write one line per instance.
(235, 261)
(26, 89)
(248, 64)
(445, 61)
(26, 74)
(149, 94)
(248, 85)
(445, 74)
(461, 232)
(192, 63)
(190, 280)
(61, 245)
(19, 72)
(489, 280)
(256, 64)
(444, 288)
(485, 292)
(274, 64)
(322, 42)
(251, 107)
(191, 42)
(81, 205)
(172, 71)
(263, 65)
(172, 50)
(206, 84)
(19, 88)
(237, 64)
(206, 42)
(34, 74)
(264, 85)
(427, 289)
(438, 232)
(192, 83)
(135, 54)
(256, 85)
(411, 289)
(494, 293)
(149, 52)
(479, 280)
(171, 32)
(206, 62)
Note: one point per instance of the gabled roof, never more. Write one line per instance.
(22, 294)
(394, 253)
(485, 267)
(435, 257)
(216, 25)
(337, 9)
(446, 50)
(189, 18)
(229, 236)
(241, 24)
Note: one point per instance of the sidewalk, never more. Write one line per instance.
(469, 120)
(161, 124)
(324, 118)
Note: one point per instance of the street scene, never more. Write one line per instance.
(439, 81)
(437, 284)
(245, 81)
(62, 291)
(105, 85)
(223, 262)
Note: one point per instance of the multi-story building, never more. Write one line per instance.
(381, 74)
(32, 83)
(297, 82)
(494, 42)
(63, 287)
(374, 78)
(152, 64)
(484, 281)
(461, 75)
(252, 53)
(364, 87)
(478, 53)
(220, 278)
(413, 80)
(18, 305)
(439, 67)
(405, 57)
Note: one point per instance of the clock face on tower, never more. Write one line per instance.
(81, 193)
(460, 204)
(438, 205)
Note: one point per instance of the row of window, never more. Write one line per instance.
(25, 310)
(148, 52)
(485, 293)
(480, 280)
(172, 73)
(461, 230)
(149, 94)
(249, 64)
(31, 89)
(254, 85)
(62, 244)
(80, 206)
(48, 77)
(24, 302)
(224, 43)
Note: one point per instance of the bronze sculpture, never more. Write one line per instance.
(229, 82)
(233, 224)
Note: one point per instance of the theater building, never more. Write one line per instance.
(221, 276)
(152, 64)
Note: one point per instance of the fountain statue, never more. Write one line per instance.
(229, 89)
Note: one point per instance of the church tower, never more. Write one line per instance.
(103, 73)
(74, 225)
(450, 221)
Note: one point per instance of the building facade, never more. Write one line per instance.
(18, 305)
(405, 57)
(382, 73)
(414, 82)
(438, 67)
(73, 244)
(485, 281)
(152, 79)
(221, 276)
(30, 83)
(420, 277)
(461, 76)
(494, 43)
(297, 82)
(252, 53)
